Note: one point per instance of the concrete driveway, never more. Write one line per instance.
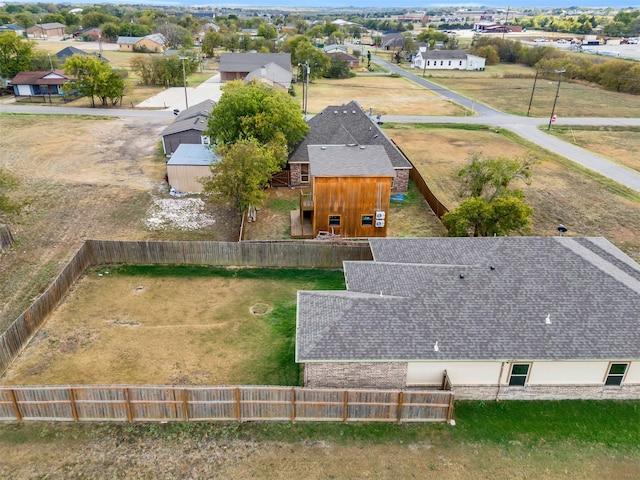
(174, 97)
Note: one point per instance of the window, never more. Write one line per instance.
(616, 374)
(304, 173)
(460, 62)
(334, 220)
(367, 220)
(441, 62)
(449, 62)
(519, 373)
(428, 62)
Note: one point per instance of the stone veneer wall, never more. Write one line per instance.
(356, 375)
(401, 182)
(295, 172)
(546, 392)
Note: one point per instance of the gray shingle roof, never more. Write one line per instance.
(248, 62)
(273, 72)
(444, 55)
(349, 161)
(192, 118)
(480, 299)
(343, 125)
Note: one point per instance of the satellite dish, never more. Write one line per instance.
(562, 229)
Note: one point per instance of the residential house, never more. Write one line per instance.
(39, 84)
(447, 60)
(69, 51)
(46, 30)
(392, 41)
(236, 66)
(188, 127)
(92, 34)
(271, 74)
(188, 165)
(496, 318)
(333, 48)
(346, 124)
(12, 27)
(350, 193)
(153, 43)
(352, 62)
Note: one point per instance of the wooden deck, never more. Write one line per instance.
(299, 230)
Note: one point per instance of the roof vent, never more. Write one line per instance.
(462, 275)
(335, 111)
(361, 147)
(323, 148)
(436, 347)
(492, 267)
(353, 111)
(547, 321)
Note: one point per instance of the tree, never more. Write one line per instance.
(210, 42)
(255, 110)
(338, 68)
(244, 171)
(491, 207)
(94, 78)
(15, 54)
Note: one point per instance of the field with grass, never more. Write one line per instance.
(388, 95)
(618, 144)
(516, 440)
(510, 88)
(561, 191)
(130, 325)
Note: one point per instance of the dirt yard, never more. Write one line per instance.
(387, 95)
(86, 178)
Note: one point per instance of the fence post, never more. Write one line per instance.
(16, 407)
(345, 406)
(400, 405)
(128, 405)
(293, 404)
(72, 399)
(238, 406)
(185, 404)
(450, 409)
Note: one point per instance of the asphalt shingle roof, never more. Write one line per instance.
(344, 125)
(349, 161)
(248, 62)
(480, 299)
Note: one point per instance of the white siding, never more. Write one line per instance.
(460, 373)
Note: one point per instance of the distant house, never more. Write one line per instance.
(236, 66)
(188, 165)
(188, 127)
(350, 193)
(333, 48)
(346, 124)
(271, 74)
(495, 318)
(39, 84)
(69, 51)
(47, 30)
(92, 34)
(12, 27)
(447, 60)
(392, 41)
(352, 62)
(153, 43)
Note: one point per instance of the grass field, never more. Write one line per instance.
(619, 144)
(130, 325)
(561, 191)
(386, 94)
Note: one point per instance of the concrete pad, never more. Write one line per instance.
(174, 97)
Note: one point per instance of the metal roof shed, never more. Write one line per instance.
(187, 165)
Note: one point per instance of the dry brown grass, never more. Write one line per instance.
(561, 192)
(387, 95)
(121, 329)
(619, 145)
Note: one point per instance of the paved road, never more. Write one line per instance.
(526, 127)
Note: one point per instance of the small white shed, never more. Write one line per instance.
(187, 165)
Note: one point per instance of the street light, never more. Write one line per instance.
(184, 78)
(551, 118)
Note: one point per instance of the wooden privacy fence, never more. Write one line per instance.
(99, 252)
(436, 205)
(240, 404)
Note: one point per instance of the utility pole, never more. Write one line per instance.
(184, 78)
(535, 80)
(50, 62)
(306, 92)
(559, 72)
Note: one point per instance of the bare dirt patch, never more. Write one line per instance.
(120, 329)
(387, 95)
(560, 193)
(83, 177)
